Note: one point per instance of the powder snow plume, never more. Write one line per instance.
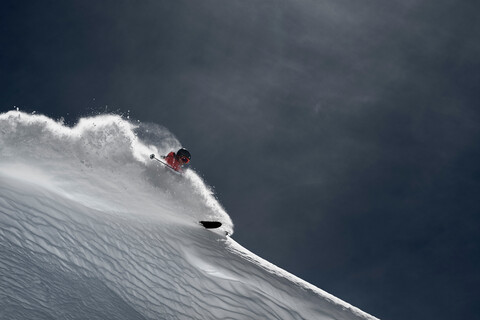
(105, 150)
(91, 228)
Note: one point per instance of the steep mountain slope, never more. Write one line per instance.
(91, 228)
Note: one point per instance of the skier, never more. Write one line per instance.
(178, 160)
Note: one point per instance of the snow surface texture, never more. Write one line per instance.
(91, 228)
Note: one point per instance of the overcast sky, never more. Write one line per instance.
(342, 137)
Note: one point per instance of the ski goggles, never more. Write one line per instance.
(185, 160)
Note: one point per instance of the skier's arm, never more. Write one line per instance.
(170, 158)
(170, 155)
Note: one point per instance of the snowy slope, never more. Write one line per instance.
(90, 228)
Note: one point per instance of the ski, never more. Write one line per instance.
(211, 224)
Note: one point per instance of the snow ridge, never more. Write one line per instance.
(91, 229)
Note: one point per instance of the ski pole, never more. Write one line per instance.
(152, 156)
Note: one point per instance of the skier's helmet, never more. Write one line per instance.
(184, 155)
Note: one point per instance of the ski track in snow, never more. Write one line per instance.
(91, 229)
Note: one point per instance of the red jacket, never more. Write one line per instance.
(172, 160)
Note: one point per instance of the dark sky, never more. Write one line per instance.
(342, 137)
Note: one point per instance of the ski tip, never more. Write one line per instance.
(211, 224)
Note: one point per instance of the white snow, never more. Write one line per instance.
(91, 228)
